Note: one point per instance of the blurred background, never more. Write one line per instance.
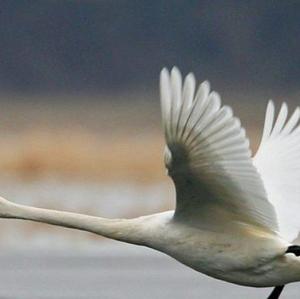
(80, 126)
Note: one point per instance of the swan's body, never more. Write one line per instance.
(245, 255)
(235, 216)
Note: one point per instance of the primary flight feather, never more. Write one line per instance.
(276, 162)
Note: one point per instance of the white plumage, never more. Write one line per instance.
(235, 215)
(276, 161)
(207, 146)
(221, 188)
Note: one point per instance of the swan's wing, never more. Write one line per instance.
(208, 157)
(278, 162)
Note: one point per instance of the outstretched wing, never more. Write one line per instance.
(208, 157)
(278, 162)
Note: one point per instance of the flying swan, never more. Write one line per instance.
(236, 216)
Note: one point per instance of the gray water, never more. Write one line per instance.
(38, 261)
(113, 272)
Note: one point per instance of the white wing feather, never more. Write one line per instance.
(277, 161)
(208, 157)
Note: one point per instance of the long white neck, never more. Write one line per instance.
(126, 230)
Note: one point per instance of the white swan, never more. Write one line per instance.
(235, 216)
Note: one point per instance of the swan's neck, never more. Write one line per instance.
(126, 230)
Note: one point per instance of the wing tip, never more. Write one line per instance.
(164, 72)
(206, 85)
(175, 72)
(190, 77)
(271, 103)
(284, 106)
(269, 122)
(164, 81)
